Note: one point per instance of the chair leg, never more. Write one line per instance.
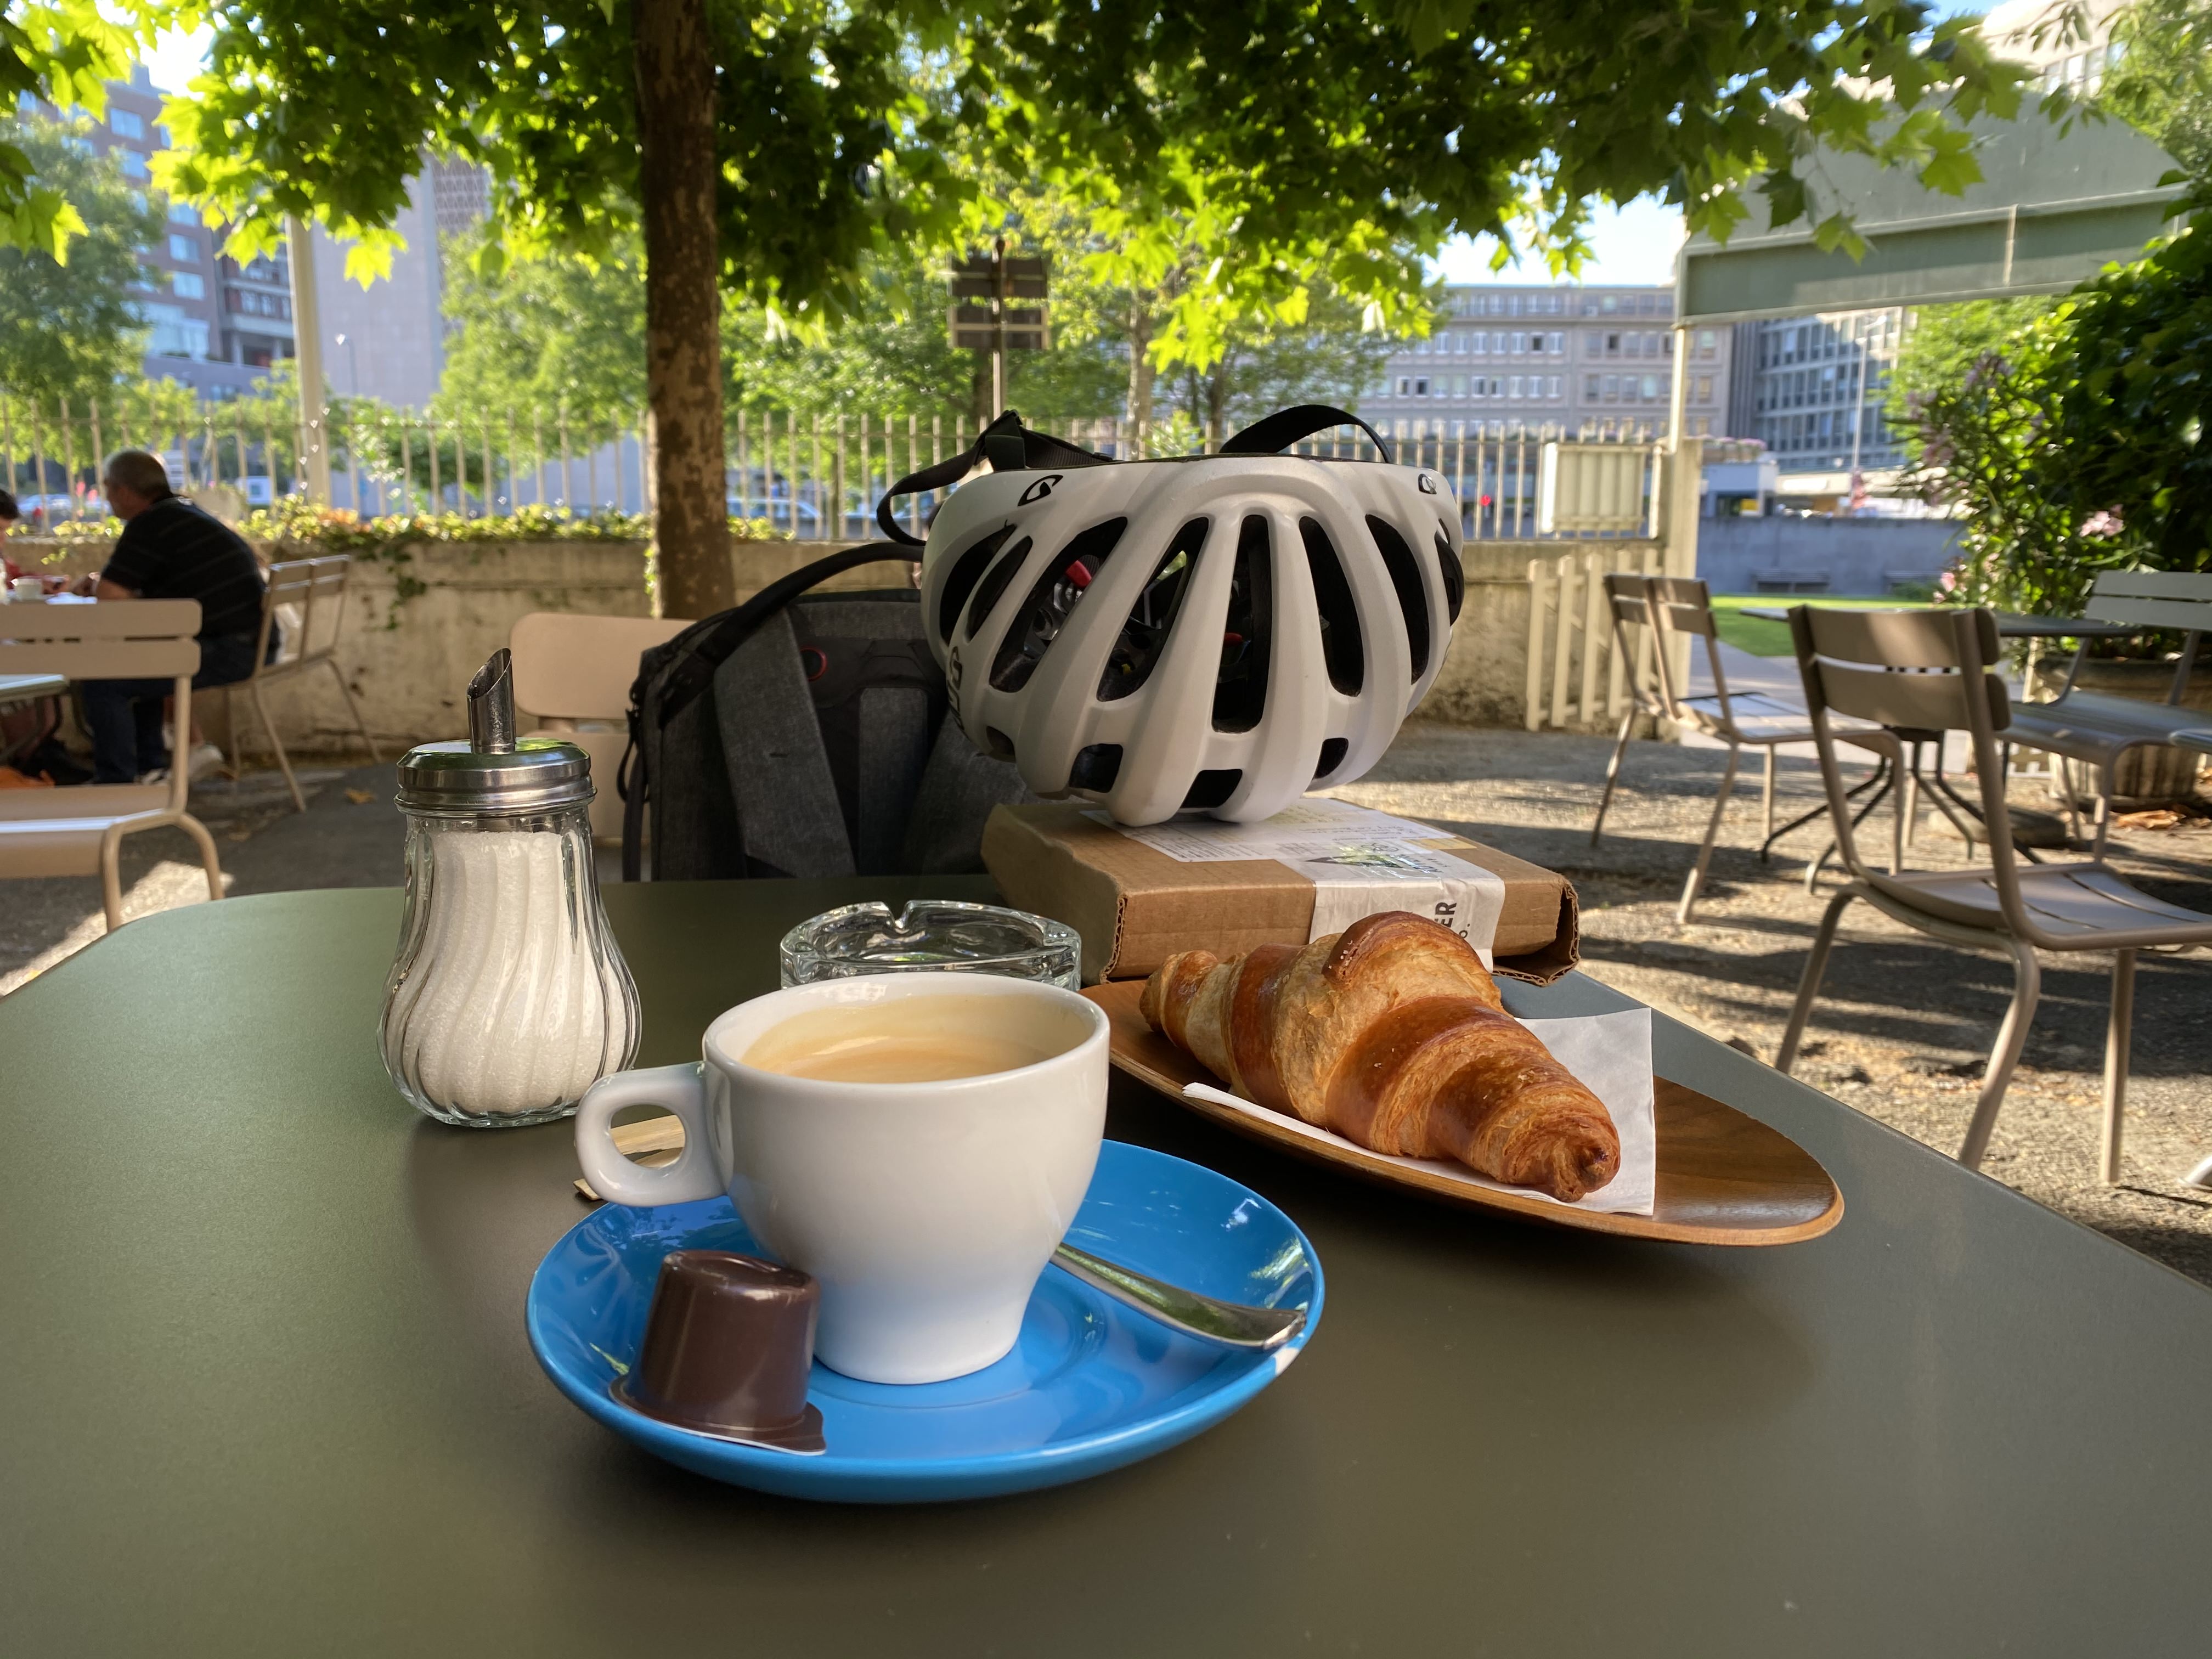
(2104, 820)
(1766, 822)
(2117, 1035)
(2012, 1035)
(1611, 770)
(209, 861)
(283, 761)
(111, 877)
(1808, 986)
(1908, 759)
(1696, 881)
(354, 710)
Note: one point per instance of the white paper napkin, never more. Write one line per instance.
(1611, 1054)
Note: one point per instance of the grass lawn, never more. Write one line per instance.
(1771, 639)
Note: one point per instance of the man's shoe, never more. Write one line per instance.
(204, 758)
(159, 775)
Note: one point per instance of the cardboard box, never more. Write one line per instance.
(1135, 906)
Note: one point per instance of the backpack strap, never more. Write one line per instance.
(1009, 446)
(1285, 427)
(697, 652)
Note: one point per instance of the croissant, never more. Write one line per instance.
(1393, 1035)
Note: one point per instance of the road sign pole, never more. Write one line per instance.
(999, 328)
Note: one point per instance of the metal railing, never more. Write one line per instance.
(812, 476)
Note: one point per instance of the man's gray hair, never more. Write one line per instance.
(138, 472)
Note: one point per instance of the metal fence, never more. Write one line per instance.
(812, 476)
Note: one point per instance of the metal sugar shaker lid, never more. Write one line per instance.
(494, 773)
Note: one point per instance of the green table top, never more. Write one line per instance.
(268, 1391)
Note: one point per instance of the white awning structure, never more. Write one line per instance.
(2054, 206)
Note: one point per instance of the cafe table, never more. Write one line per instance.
(267, 1392)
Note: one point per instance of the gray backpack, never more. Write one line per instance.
(804, 734)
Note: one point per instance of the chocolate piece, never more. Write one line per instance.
(728, 1345)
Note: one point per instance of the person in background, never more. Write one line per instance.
(169, 550)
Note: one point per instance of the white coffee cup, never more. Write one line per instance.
(926, 1211)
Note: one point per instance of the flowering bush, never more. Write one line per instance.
(298, 522)
(2079, 447)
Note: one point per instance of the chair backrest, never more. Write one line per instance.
(581, 668)
(1918, 671)
(2156, 599)
(307, 597)
(1628, 601)
(1684, 605)
(114, 640)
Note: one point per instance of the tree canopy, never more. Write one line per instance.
(72, 332)
(1294, 139)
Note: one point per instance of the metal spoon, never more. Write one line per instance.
(1231, 1324)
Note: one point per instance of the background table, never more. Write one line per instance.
(267, 1392)
(2011, 624)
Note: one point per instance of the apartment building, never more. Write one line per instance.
(218, 324)
(2068, 42)
(1562, 355)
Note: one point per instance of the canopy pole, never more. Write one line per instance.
(1685, 468)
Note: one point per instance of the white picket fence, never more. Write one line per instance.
(1576, 675)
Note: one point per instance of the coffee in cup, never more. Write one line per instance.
(919, 1142)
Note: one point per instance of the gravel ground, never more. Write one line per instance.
(1900, 1033)
(1903, 1024)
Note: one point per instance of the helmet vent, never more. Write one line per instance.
(1406, 577)
(1332, 757)
(1060, 586)
(1339, 618)
(1455, 578)
(1240, 689)
(1152, 619)
(995, 585)
(1210, 789)
(1096, 768)
(960, 580)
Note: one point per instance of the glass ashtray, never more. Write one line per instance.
(931, 934)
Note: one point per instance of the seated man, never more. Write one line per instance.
(170, 548)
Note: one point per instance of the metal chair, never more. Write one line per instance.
(1683, 605)
(1935, 671)
(307, 597)
(79, 831)
(2096, 729)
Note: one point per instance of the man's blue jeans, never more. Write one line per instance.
(125, 715)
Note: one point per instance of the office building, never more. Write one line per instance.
(218, 324)
(1812, 390)
(1561, 355)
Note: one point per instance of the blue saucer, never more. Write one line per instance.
(1090, 1384)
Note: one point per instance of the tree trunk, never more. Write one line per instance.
(1140, 380)
(1217, 404)
(675, 54)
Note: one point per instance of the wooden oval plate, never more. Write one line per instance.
(1724, 1178)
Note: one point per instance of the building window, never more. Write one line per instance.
(185, 285)
(1589, 388)
(1705, 388)
(1420, 388)
(183, 213)
(1552, 384)
(1612, 388)
(134, 164)
(1611, 303)
(124, 125)
(1650, 388)
(1513, 387)
(1405, 386)
(186, 248)
(1559, 342)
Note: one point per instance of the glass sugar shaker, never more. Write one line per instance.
(508, 997)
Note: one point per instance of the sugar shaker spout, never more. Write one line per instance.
(491, 706)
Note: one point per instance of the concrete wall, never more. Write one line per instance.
(1485, 679)
(1858, 556)
(408, 664)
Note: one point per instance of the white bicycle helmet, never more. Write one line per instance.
(1219, 632)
